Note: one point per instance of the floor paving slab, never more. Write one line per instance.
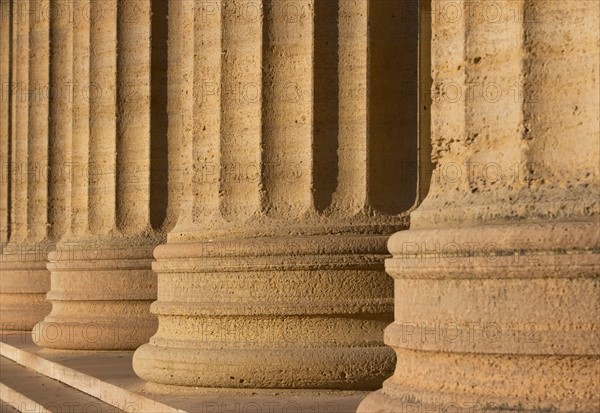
(24, 390)
(108, 376)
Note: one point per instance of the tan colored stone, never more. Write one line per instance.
(102, 281)
(25, 279)
(273, 275)
(108, 376)
(5, 107)
(496, 282)
(249, 186)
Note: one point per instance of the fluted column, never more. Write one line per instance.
(496, 282)
(25, 279)
(6, 89)
(102, 281)
(298, 129)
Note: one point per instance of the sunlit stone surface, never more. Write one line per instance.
(496, 282)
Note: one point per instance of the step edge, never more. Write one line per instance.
(92, 386)
(12, 397)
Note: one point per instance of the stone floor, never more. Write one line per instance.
(40, 380)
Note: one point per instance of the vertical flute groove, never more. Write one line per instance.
(207, 103)
(60, 114)
(37, 141)
(392, 124)
(103, 68)
(326, 103)
(287, 110)
(160, 198)
(240, 94)
(80, 161)
(6, 90)
(133, 115)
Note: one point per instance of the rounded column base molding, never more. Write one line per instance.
(469, 383)
(343, 368)
(273, 313)
(24, 282)
(20, 312)
(101, 297)
(501, 315)
(111, 325)
(441, 381)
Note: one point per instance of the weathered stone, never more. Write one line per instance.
(496, 282)
(102, 280)
(35, 224)
(273, 276)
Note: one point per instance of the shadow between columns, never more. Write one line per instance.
(159, 146)
(393, 103)
(326, 102)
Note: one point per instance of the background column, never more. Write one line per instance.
(34, 223)
(496, 282)
(6, 90)
(102, 281)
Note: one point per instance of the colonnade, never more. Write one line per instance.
(214, 184)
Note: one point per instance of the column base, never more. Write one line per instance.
(101, 297)
(20, 312)
(494, 317)
(24, 282)
(476, 383)
(271, 313)
(379, 402)
(287, 368)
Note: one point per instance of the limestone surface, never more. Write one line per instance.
(300, 129)
(496, 282)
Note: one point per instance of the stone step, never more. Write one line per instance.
(24, 390)
(7, 408)
(85, 371)
(109, 377)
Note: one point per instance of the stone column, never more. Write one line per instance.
(496, 282)
(102, 281)
(299, 134)
(34, 225)
(6, 89)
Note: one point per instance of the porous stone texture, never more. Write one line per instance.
(102, 281)
(496, 282)
(249, 188)
(300, 129)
